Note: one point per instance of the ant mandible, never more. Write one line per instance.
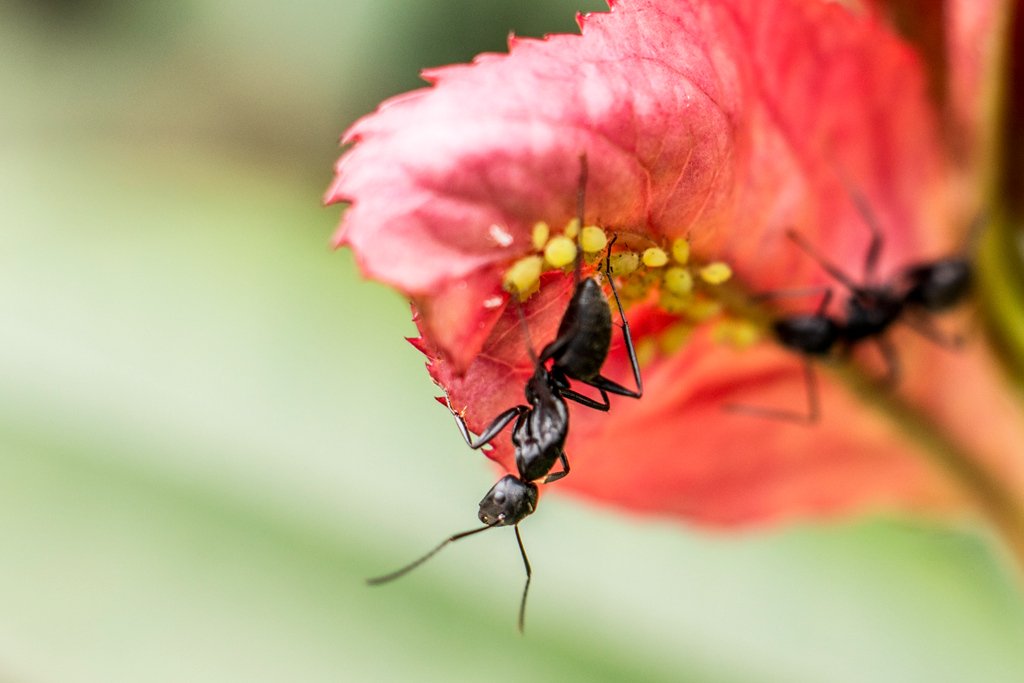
(540, 430)
(873, 307)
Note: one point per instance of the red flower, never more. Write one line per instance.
(730, 122)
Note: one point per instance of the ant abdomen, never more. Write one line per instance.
(938, 285)
(585, 333)
(811, 334)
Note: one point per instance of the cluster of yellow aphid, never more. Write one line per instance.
(556, 252)
(683, 289)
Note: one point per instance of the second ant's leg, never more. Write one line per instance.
(812, 415)
(925, 326)
(630, 349)
(555, 476)
(892, 362)
(829, 267)
(492, 430)
(793, 292)
(877, 236)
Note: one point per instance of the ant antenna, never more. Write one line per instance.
(581, 199)
(529, 575)
(827, 265)
(526, 332)
(376, 581)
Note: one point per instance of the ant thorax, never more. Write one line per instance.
(539, 438)
(870, 311)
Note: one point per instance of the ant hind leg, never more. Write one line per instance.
(811, 417)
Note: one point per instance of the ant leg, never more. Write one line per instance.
(926, 327)
(581, 200)
(529, 575)
(603, 384)
(376, 581)
(794, 293)
(586, 400)
(525, 329)
(492, 430)
(825, 301)
(892, 362)
(827, 265)
(877, 236)
(812, 415)
(630, 349)
(555, 476)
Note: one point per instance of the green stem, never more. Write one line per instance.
(985, 489)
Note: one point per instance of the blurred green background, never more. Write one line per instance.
(211, 431)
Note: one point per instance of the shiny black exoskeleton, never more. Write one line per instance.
(540, 429)
(871, 309)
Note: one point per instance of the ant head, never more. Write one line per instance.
(813, 334)
(938, 285)
(508, 502)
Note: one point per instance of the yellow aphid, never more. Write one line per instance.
(681, 251)
(723, 332)
(572, 228)
(675, 304)
(716, 273)
(703, 309)
(654, 257)
(523, 275)
(678, 281)
(593, 239)
(624, 263)
(541, 231)
(646, 350)
(673, 338)
(739, 333)
(745, 334)
(560, 251)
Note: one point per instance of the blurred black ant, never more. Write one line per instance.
(916, 293)
(540, 430)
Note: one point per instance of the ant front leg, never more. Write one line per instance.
(812, 415)
(492, 430)
(606, 384)
(555, 476)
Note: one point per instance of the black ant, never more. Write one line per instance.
(911, 297)
(540, 430)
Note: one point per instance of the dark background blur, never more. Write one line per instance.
(211, 430)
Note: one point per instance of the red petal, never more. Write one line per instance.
(731, 121)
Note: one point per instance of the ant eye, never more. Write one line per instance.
(499, 497)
